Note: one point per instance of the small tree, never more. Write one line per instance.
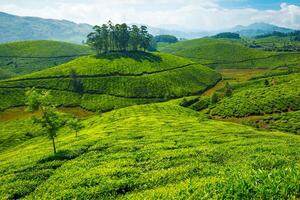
(214, 98)
(75, 83)
(267, 84)
(228, 90)
(76, 125)
(50, 121)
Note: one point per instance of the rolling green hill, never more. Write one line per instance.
(115, 80)
(276, 43)
(222, 53)
(156, 151)
(256, 98)
(30, 56)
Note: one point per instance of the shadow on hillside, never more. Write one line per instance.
(60, 155)
(136, 55)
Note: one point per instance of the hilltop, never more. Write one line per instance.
(28, 56)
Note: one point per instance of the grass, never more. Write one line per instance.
(30, 56)
(156, 151)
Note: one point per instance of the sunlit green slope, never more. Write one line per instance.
(156, 151)
(116, 79)
(29, 56)
(222, 53)
(280, 94)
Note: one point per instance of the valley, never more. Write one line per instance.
(208, 118)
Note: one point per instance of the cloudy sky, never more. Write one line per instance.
(206, 15)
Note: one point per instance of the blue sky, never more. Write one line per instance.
(204, 15)
(257, 4)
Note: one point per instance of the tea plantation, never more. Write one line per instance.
(225, 53)
(155, 151)
(113, 81)
(29, 56)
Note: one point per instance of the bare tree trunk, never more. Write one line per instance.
(54, 148)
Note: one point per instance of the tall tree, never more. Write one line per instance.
(112, 36)
(124, 36)
(120, 37)
(145, 38)
(134, 40)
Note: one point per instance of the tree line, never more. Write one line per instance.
(120, 37)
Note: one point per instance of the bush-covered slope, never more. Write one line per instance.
(134, 77)
(281, 94)
(211, 50)
(221, 53)
(157, 151)
(29, 56)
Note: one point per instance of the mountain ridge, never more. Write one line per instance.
(17, 28)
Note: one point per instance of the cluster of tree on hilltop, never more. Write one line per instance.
(120, 37)
(228, 35)
(166, 38)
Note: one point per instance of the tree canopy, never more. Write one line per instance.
(120, 37)
(166, 38)
(228, 35)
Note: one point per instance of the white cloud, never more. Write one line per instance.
(191, 14)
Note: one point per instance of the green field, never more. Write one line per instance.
(17, 58)
(155, 151)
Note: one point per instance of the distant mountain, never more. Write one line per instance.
(259, 29)
(177, 33)
(14, 28)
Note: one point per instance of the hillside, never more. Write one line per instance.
(256, 98)
(257, 29)
(225, 53)
(115, 80)
(29, 56)
(153, 151)
(16, 28)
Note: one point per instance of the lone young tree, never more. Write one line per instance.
(76, 125)
(50, 121)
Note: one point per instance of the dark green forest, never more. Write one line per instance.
(120, 37)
